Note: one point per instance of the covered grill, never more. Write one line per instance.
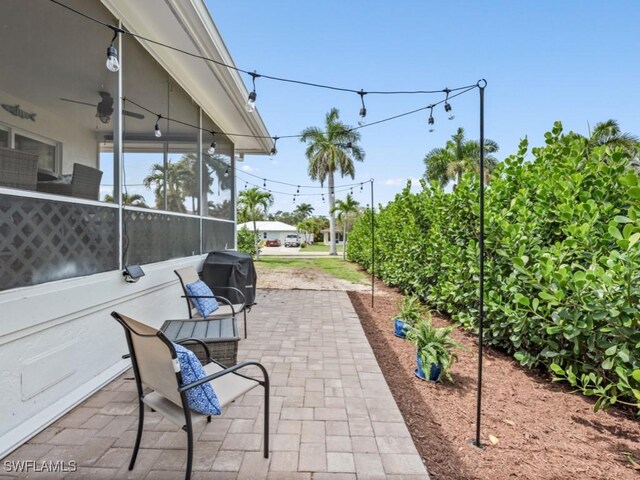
(231, 269)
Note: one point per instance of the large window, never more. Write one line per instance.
(46, 151)
(4, 138)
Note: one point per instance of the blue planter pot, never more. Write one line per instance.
(434, 371)
(400, 328)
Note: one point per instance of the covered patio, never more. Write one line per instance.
(333, 415)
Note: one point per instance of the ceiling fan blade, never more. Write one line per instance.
(133, 114)
(78, 101)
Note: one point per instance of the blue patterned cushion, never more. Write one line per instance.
(202, 398)
(204, 305)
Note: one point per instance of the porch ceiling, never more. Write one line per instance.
(187, 24)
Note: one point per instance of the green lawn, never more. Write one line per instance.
(332, 265)
(318, 247)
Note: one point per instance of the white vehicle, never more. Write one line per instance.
(292, 240)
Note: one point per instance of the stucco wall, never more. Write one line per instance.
(58, 342)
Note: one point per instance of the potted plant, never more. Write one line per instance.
(434, 350)
(408, 315)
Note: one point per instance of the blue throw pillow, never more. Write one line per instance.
(204, 305)
(202, 398)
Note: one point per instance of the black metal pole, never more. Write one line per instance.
(373, 247)
(481, 86)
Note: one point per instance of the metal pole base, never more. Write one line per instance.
(472, 441)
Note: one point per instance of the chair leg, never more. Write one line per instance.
(266, 418)
(138, 436)
(245, 323)
(189, 451)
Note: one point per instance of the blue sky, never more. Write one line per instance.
(576, 62)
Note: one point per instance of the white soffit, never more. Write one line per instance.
(187, 24)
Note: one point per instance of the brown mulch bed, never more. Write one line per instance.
(543, 431)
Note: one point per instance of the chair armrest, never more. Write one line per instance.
(213, 376)
(217, 297)
(182, 341)
(244, 299)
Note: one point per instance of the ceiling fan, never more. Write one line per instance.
(105, 107)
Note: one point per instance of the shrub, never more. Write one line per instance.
(562, 260)
(246, 241)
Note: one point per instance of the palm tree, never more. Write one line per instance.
(344, 208)
(331, 149)
(609, 133)
(129, 199)
(170, 184)
(303, 211)
(457, 157)
(254, 203)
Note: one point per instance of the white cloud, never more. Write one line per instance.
(395, 181)
(249, 169)
(401, 182)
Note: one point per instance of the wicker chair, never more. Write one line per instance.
(18, 169)
(159, 382)
(85, 183)
(190, 275)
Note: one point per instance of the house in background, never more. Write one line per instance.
(91, 183)
(326, 237)
(272, 230)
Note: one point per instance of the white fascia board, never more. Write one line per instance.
(220, 91)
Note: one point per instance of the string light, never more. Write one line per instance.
(294, 199)
(370, 124)
(251, 101)
(361, 187)
(226, 172)
(264, 184)
(323, 198)
(212, 148)
(298, 190)
(274, 149)
(112, 53)
(158, 133)
(253, 74)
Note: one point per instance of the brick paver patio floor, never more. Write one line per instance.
(332, 414)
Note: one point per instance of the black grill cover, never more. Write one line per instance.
(231, 269)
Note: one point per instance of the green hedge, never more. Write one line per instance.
(562, 264)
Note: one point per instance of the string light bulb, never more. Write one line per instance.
(158, 133)
(226, 172)
(264, 183)
(298, 190)
(294, 199)
(212, 147)
(431, 121)
(323, 198)
(361, 188)
(447, 105)
(274, 149)
(113, 64)
(363, 109)
(251, 101)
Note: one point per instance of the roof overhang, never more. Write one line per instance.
(220, 91)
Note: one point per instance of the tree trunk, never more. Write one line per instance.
(344, 238)
(332, 217)
(255, 238)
